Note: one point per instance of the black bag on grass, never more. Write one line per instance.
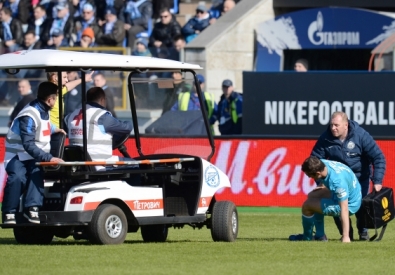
(378, 210)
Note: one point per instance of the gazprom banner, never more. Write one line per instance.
(323, 28)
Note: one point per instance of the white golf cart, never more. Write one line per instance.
(177, 181)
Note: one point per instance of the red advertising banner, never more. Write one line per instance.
(268, 172)
(263, 172)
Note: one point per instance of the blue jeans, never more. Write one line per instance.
(23, 177)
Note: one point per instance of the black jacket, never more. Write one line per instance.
(24, 9)
(16, 31)
(165, 33)
(32, 27)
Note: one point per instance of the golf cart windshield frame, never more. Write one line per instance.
(132, 73)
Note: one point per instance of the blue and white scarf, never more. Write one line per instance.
(59, 23)
(109, 27)
(7, 30)
(132, 8)
(85, 24)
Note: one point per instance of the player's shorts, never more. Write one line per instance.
(331, 207)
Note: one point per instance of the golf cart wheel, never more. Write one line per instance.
(224, 222)
(33, 235)
(108, 225)
(154, 233)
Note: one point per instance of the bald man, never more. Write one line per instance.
(228, 5)
(27, 96)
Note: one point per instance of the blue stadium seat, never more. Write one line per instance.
(174, 10)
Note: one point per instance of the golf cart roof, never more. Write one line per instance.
(56, 59)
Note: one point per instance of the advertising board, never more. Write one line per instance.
(263, 172)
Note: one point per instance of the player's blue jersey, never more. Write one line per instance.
(342, 183)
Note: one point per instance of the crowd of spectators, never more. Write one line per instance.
(147, 27)
(50, 24)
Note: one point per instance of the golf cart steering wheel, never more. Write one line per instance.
(118, 141)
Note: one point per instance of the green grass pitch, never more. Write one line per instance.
(262, 247)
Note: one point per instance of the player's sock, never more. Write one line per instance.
(319, 225)
(308, 224)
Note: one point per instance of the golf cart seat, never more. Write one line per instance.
(76, 153)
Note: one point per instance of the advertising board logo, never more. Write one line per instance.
(318, 37)
(211, 176)
(384, 202)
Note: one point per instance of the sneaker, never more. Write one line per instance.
(364, 236)
(322, 239)
(297, 237)
(9, 218)
(32, 215)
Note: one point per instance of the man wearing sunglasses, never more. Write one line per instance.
(86, 20)
(164, 31)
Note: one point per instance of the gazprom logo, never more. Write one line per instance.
(318, 37)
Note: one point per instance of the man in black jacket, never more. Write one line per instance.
(164, 31)
(36, 23)
(11, 33)
(64, 22)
